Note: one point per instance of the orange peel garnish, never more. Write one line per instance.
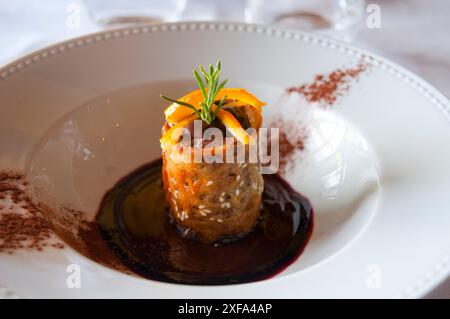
(169, 137)
(233, 125)
(177, 112)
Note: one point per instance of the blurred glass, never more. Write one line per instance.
(129, 12)
(339, 19)
(214, 10)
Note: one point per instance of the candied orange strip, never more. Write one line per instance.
(228, 120)
(170, 137)
(176, 112)
(233, 125)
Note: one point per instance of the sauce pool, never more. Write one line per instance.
(133, 219)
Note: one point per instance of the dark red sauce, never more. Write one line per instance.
(134, 222)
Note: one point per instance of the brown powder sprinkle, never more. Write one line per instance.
(26, 231)
(288, 147)
(327, 88)
(25, 225)
(289, 143)
(22, 226)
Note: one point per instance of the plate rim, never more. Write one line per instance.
(424, 283)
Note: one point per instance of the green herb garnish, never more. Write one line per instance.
(210, 87)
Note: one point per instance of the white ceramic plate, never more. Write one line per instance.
(376, 165)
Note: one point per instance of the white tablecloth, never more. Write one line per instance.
(414, 33)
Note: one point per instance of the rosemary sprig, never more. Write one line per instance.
(210, 87)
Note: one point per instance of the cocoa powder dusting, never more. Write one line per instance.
(287, 148)
(326, 89)
(25, 225)
(22, 226)
(289, 143)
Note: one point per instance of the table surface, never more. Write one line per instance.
(413, 33)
